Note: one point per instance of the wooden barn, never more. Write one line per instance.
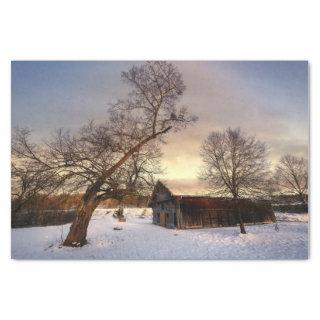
(174, 208)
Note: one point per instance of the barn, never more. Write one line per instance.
(174, 208)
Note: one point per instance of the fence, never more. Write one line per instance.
(42, 218)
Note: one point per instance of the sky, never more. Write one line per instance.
(267, 99)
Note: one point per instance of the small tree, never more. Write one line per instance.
(234, 164)
(291, 176)
(91, 159)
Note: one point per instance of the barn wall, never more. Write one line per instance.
(210, 212)
(169, 208)
(178, 214)
(204, 212)
(163, 202)
(156, 213)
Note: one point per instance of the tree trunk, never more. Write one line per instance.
(242, 228)
(77, 236)
(302, 198)
(241, 224)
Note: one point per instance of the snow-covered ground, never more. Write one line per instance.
(292, 217)
(140, 239)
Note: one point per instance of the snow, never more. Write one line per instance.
(292, 217)
(140, 239)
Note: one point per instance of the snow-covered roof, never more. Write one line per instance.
(186, 187)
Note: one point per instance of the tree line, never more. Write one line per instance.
(121, 156)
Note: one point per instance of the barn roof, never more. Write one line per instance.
(186, 187)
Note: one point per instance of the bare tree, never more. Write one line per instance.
(136, 177)
(26, 185)
(291, 176)
(271, 188)
(91, 159)
(234, 164)
(28, 181)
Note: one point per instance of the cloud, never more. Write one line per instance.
(266, 99)
(222, 99)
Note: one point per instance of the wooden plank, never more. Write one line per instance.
(162, 219)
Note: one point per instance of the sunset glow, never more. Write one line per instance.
(266, 99)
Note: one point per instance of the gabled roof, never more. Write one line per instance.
(186, 187)
(183, 188)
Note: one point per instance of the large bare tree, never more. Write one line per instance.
(235, 165)
(291, 175)
(91, 159)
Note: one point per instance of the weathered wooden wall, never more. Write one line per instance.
(168, 208)
(213, 212)
(183, 212)
(164, 203)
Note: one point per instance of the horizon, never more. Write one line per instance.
(267, 99)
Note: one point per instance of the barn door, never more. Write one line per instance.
(162, 219)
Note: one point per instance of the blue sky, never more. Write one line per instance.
(266, 99)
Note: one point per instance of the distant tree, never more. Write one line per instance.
(91, 159)
(291, 175)
(29, 181)
(235, 165)
(271, 187)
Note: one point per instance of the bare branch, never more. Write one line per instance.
(292, 176)
(234, 164)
